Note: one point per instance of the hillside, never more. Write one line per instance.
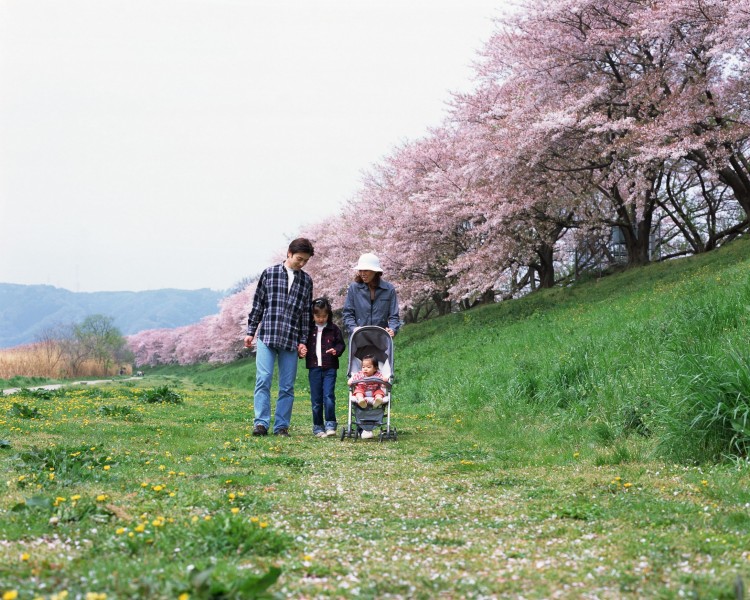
(650, 360)
(586, 442)
(26, 310)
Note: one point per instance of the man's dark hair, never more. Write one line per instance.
(301, 245)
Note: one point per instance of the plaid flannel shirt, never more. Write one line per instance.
(281, 319)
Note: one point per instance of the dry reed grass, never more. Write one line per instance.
(39, 360)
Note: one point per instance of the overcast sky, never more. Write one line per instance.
(150, 144)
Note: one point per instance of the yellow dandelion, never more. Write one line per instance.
(10, 595)
(144, 485)
(232, 496)
(235, 510)
(263, 525)
(75, 497)
(101, 497)
(107, 467)
(254, 519)
(25, 556)
(207, 518)
(120, 530)
(627, 485)
(140, 528)
(183, 596)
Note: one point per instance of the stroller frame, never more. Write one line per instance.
(376, 341)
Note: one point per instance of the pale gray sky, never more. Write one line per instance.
(148, 144)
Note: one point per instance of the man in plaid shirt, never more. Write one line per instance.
(279, 324)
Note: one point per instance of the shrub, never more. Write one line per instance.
(24, 411)
(161, 394)
(124, 412)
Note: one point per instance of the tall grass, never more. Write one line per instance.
(655, 358)
(33, 362)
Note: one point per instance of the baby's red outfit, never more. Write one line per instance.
(374, 387)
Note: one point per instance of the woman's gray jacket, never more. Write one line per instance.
(360, 311)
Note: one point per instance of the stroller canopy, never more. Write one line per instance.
(374, 341)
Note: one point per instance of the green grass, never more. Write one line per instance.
(580, 442)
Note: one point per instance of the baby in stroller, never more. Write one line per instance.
(370, 380)
(368, 393)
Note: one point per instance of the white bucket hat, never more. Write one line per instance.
(369, 262)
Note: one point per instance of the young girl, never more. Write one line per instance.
(325, 345)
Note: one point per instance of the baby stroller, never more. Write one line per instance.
(374, 341)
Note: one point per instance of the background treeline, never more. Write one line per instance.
(27, 310)
(91, 347)
(600, 133)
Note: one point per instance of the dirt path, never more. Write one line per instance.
(57, 386)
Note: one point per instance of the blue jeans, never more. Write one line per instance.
(323, 398)
(265, 358)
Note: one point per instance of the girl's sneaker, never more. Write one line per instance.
(320, 434)
(330, 432)
(366, 435)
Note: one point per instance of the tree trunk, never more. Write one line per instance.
(546, 266)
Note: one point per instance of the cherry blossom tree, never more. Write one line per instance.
(589, 119)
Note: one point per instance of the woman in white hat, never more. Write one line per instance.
(370, 300)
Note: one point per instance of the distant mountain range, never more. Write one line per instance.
(25, 310)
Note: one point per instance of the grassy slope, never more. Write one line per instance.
(534, 459)
(591, 365)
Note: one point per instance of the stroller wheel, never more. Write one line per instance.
(343, 433)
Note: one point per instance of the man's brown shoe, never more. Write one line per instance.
(260, 430)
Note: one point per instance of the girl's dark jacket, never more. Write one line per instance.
(332, 338)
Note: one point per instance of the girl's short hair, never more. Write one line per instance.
(371, 358)
(322, 303)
